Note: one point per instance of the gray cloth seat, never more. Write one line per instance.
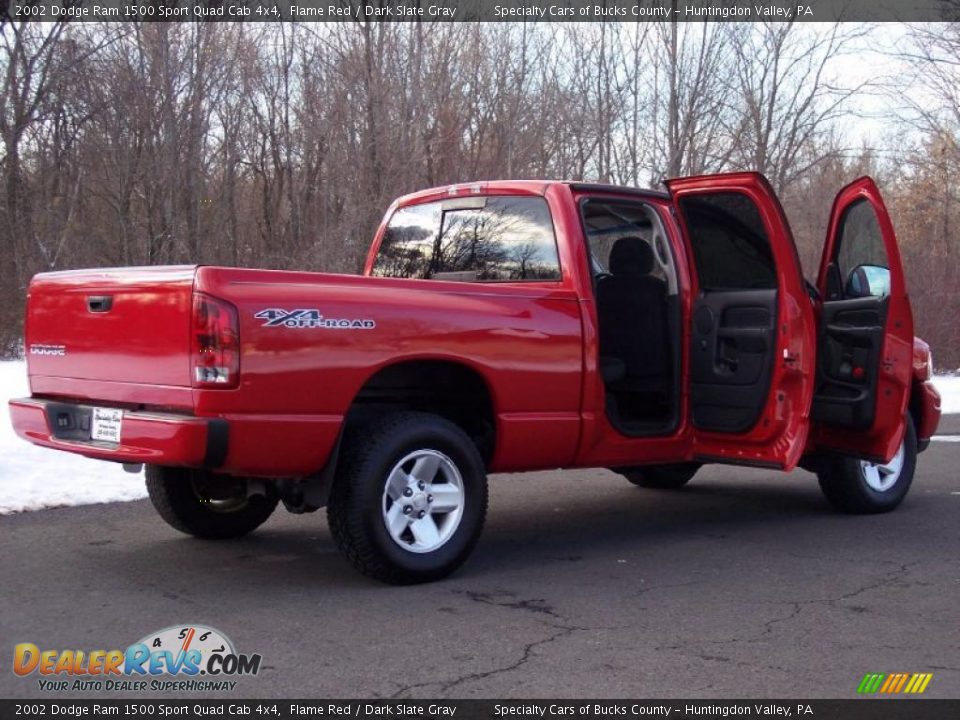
(632, 308)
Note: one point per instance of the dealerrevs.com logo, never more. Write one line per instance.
(178, 658)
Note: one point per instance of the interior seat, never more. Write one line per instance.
(632, 310)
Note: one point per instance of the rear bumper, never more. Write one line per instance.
(264, 445)
(925, 405)
(147, 437)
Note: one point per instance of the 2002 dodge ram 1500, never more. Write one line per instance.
(498, 326)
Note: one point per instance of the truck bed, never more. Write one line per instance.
(309, 343)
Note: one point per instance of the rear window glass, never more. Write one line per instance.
(471, 239)
(730, 244)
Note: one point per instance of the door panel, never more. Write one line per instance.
(865, 333)
(752, 329)
(734, 337)
(851, 338)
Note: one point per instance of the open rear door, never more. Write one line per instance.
(865, 330)
(752, 323)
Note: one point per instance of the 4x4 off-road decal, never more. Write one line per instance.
(307, 318)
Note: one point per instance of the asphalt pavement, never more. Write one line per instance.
(743, 584)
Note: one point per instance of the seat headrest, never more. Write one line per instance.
(631, 256)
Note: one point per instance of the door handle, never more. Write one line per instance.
(748, 340)
(727, 354)
(99, 303)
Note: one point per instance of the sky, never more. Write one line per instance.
(874, 59)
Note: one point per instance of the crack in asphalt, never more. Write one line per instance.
(888, 579)
(688, 652)
(534, 605)
(796, 606)
(528, 653)
(669, 586)
(509, 601)
(561, 628)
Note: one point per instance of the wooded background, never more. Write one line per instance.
(281, 145)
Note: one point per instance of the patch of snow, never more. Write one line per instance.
(949, 388)
(32, 478)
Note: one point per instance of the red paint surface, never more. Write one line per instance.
(780, 435)
(897, 357)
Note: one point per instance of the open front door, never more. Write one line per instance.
(865, 330)
(752, 328)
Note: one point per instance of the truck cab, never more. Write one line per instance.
(702, 340)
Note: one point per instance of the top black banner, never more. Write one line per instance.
(480, 10)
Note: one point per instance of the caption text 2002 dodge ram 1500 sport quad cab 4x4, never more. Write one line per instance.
(501, 326)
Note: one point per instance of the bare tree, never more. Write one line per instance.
(30, 74)
(280, 146)
(689, 105)
(786, 101)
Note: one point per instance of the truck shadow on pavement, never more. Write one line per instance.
(533, 521)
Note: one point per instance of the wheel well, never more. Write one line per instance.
(449, 389)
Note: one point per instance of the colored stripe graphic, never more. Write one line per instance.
(894, 683)
(870, 683)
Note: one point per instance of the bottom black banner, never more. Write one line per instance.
(873, 709)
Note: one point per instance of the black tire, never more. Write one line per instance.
(844, 482)
(662, 477)
(358, 505)
(179, 497)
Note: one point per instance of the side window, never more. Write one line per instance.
(606, 222)
(861, 256)
(730, 244)
(498, 238)
(407, 247)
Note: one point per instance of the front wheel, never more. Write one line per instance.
(862, 487)
(205, 504)
(409, 498)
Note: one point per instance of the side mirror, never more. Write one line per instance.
(868, 281)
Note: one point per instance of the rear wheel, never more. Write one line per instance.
(207, 505)
(858, 486)
(662, 477)
(409, 499)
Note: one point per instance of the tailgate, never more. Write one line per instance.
(123, 326)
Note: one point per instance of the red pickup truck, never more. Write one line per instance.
(498, 327)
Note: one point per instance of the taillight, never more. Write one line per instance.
(216, 343)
